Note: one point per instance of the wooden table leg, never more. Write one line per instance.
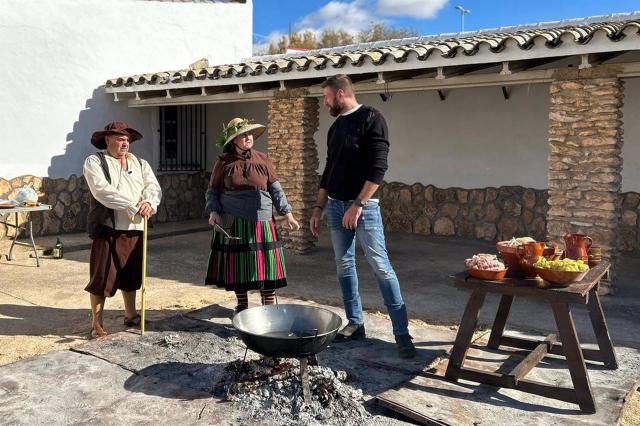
(465, 334)
(573, 354)
(601, 330)
(501, 321)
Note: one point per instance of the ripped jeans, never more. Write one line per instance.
(370, 232)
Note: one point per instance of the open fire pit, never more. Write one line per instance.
(288, 331)
(269, 388)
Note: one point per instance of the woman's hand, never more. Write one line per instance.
(214, 218)
(291, 222)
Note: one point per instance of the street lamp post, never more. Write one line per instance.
(463, 12)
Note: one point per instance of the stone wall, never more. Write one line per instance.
(585, 161)
(488, 214)
(293, 120)
(67, 197)
(182, 196)
(183, 199)
(629, 222)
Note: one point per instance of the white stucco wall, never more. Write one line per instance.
(631, 147)
(54, 55)
(473, 139)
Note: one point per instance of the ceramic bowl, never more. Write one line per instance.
(482, 274)
(561, 278)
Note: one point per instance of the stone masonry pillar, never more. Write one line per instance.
(293, 120)
(585, 161)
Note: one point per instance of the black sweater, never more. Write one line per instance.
(357, 150)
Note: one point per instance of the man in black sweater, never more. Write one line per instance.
(357, 150)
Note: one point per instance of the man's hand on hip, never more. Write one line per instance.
(351, 216)
(145, 209)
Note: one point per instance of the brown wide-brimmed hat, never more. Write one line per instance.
(114, 128)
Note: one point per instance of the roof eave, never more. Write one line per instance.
(600, 43)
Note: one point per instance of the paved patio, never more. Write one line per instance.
(423, 265)
(127, 378)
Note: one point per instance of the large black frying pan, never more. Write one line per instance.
(287, 331)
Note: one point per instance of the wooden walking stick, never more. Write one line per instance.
(144, 274)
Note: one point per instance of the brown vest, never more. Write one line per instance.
(101, 219)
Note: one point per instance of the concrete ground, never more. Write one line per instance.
(144, 380)
(44, 309)
(423, 266)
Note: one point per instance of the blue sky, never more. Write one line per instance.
(271, 18)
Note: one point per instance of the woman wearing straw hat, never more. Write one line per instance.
(246, 253)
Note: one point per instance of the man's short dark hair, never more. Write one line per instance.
(339, 82)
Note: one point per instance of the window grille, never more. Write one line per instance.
(183, 137)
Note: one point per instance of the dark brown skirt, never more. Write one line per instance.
(116, 263)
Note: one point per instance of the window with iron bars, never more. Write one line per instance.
(183, 137)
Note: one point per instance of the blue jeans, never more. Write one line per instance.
(370, 232)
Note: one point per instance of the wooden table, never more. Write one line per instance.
(29, 227)
(560, 298)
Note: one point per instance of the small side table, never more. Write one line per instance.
(29, 226)
(560, 298)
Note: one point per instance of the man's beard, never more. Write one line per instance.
(336, 109)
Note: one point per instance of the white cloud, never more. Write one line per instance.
(351, 17)
(421, 9)
(261, 43)
(354, 16)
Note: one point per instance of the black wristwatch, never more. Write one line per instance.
(358, 202)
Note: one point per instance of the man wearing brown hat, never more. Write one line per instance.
(123, 191)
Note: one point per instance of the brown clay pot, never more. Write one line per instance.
(577, 246)
(528, 254)
(595, 255)
(509, 255)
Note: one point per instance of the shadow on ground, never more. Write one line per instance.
(27, 320)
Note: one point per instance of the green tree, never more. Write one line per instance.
(378, 32)
(333, 38)
(339, 37)
(280, 48)
(306, 40)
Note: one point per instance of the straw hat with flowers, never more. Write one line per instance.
(237, 127)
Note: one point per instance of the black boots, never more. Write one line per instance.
(405, 346)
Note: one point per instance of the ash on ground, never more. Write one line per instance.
(272, 389)
(171, 341)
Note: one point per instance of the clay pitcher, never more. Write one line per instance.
(577, 246)
(529, 253)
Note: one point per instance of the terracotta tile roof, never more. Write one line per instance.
(551, 35)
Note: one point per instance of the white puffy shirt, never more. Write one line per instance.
(128, 188)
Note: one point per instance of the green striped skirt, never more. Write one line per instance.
(253, 262)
